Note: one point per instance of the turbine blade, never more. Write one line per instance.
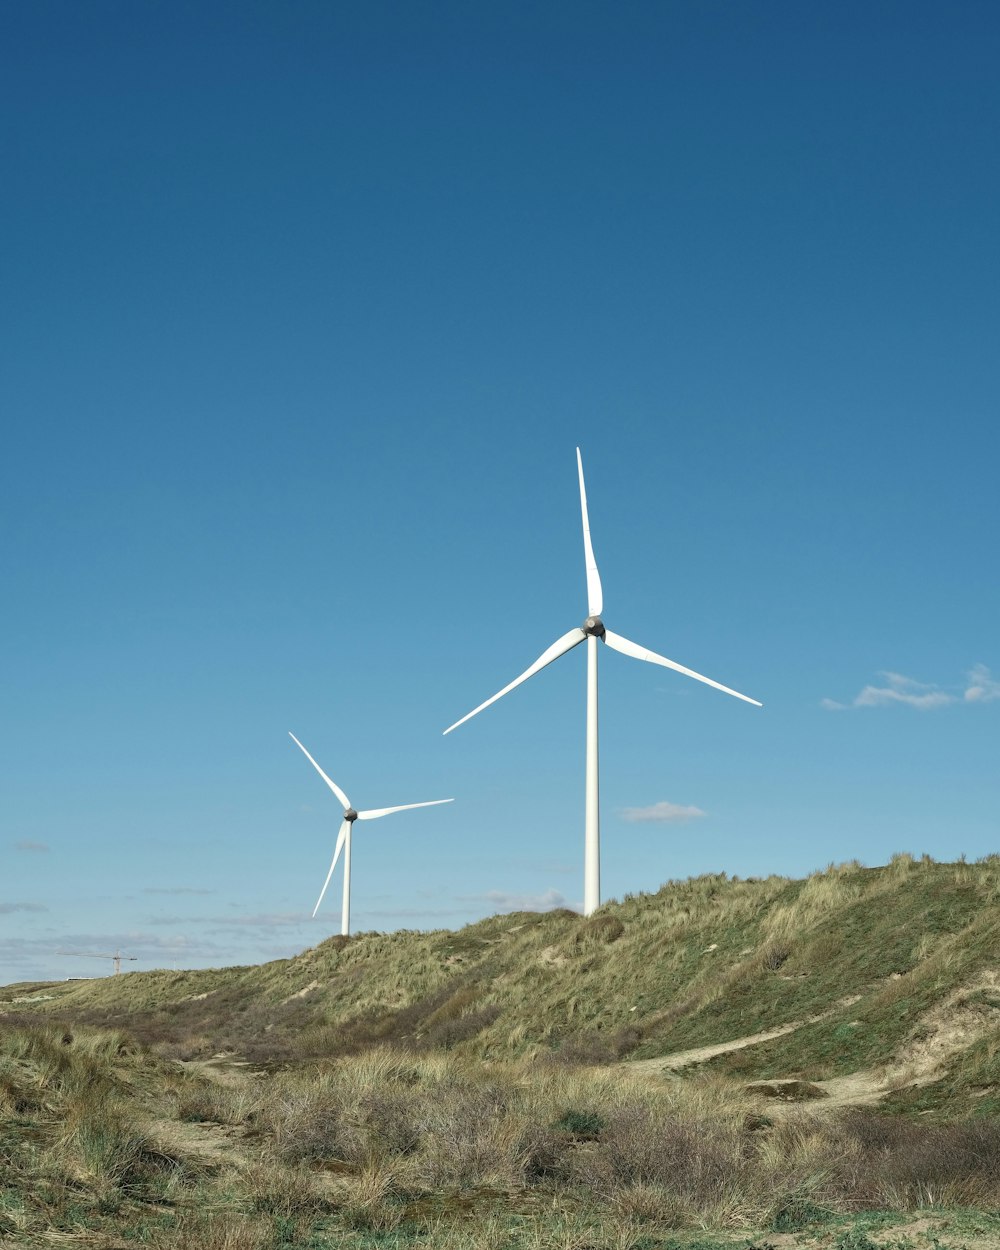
(332, 784)
(595, 595)
(565, 643)
(618, 643)
(376, 812)
(341, 839)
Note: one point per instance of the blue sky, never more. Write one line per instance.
(304, 309)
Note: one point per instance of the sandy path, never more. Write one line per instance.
(666, 1064)
(220, 1068)
(950, 1026)
(208, 1139)
(857, 1089)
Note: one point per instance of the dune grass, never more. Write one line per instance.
(105, 1144)
(475, 1089)
(862, 953)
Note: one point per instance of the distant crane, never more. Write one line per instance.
(117, 956)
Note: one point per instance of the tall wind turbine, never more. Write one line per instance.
(344, 837)
(592, 629)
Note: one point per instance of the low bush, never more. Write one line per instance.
(582, 1125)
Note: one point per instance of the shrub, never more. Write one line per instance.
(794, 1212)
(855, 1238)
(583, 1125)
(886, 1161)
(773, 957)
(305, 1122)
(282, 1191)
(207, 1100)
(593, 1049)
(371, 1199)
(105, 1145)
(448, 1033)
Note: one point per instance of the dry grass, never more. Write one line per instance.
(698, 962)
(437, 1149)
(76, 1143)
(439, 1088)
(216, 1231)
(697, 1153)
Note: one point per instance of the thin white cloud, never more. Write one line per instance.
(26, 844)
(983, 686)
(502, 901)
(904, 690)
(898, 681)
(898, 689)
(7, 909)
(661, 813)
(233, 924)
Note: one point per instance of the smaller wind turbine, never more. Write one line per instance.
(344, 837)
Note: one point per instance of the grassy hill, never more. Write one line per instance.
(894, 970)
(705, 1068)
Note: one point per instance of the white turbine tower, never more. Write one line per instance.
(344, 837)
(592, 629)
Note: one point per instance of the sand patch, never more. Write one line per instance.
(313, 985)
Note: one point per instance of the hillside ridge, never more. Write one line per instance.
(850, 969)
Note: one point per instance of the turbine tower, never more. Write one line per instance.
(344, 837)
(591, 630)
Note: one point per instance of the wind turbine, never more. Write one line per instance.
(344, 837)
(592, 629)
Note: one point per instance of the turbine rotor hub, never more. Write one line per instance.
(350, 815)
(594, 626)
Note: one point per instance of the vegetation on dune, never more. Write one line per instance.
(856, 959)
(75, 1148)
(535, 1080)
(106, 1145)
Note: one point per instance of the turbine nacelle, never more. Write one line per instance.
(594, 627)
(350, 815)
